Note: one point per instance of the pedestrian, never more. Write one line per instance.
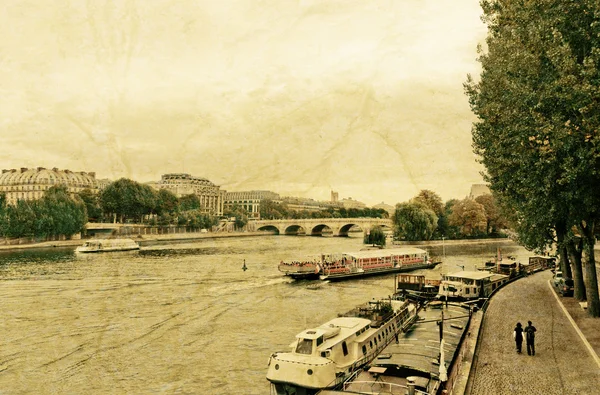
(530, 337)
(518, 336)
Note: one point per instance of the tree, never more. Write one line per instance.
(166, 202)
(469, 216)
(128, 199)
(538, 117)
(375, 236)
(414, 221)
(430, 200)
(57, 213)
(92, 204)
(189, 202)
(494, 219)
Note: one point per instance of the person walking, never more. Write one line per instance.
(518, 336)
(530, 337)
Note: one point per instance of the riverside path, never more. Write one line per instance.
(563, 362)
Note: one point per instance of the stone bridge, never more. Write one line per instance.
(318, 226)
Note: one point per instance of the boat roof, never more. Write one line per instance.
(347, 326)
(474, 275)
(385, 252)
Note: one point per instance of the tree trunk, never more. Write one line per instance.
(591, 279)
(575, 250)
(564, 257)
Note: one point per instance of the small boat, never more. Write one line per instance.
(325, 356)
(108, 245)
(301, 270)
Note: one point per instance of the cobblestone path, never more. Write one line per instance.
(561, 365)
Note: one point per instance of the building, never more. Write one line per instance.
(182, 184)
(479, 190)
(304, 204)
(249, 200)
(351, 203)
(334, 197)
(30, 184)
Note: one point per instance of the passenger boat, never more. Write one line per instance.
(425, 360)
(372, 262)
(325, 356)
(108, 245)
(469, 285)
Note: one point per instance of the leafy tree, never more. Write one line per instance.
(375, 236)
(469, 216)
(189, 202)
(494, 219)
(128, 199)
(538, 115)
(57, 213)
(271, 210)
(414, 221)
(20, 219)
(240, 214)
(166, 202)
(431, 200)
(92, 204)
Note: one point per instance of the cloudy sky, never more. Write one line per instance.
(300, 97)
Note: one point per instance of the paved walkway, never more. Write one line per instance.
(563, 362)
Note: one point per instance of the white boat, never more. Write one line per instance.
(325, 356)
(468, 285)
(108, 245)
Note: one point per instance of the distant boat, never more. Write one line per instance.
(244, 268)
(108, 245)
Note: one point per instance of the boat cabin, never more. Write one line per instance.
(470, 284)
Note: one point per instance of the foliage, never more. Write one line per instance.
(166, 202)
(240, 214)
(538, 116)
(272, 210)
(92, 205)
(431, 200)
(375, 236)
(128, 199)
(414, 221)
(189, 202)
(469, 216)
(494, 218)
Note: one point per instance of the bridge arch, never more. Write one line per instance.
(295, 230)
(269, 228)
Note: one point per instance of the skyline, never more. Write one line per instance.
(298, 98)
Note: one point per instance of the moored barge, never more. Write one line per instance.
(325, 356)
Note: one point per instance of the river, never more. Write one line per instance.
(177, 318)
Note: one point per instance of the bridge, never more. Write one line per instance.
(318, 226)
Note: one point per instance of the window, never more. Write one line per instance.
(304, 346)
(364, 350)
(344, 348)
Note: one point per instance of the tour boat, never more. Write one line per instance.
(325, 356)
(468, 285)
(108, 245)
(426, 360)
(372, 262)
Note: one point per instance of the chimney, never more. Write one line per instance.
(40, 168)
(55, 169)
(24, 169)
(92, 174)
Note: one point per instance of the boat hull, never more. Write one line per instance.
(375, 272)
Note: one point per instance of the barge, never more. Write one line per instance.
(325, 356)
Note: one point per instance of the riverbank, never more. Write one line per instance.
(151, 239)
(143, 240)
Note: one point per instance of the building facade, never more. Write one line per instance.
(479, 190)
(30, 184)
(249, 200)
(181, 184)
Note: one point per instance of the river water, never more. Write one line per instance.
(176, 318)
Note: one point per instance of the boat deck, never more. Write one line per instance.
(415, 355)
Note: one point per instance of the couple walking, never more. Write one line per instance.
(529, 335)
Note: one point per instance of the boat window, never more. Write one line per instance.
(364, 349)
(371, 344)
(319, 340)
(467, 291)
(304, 346)
(345, 348)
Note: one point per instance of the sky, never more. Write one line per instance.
(362, 97)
